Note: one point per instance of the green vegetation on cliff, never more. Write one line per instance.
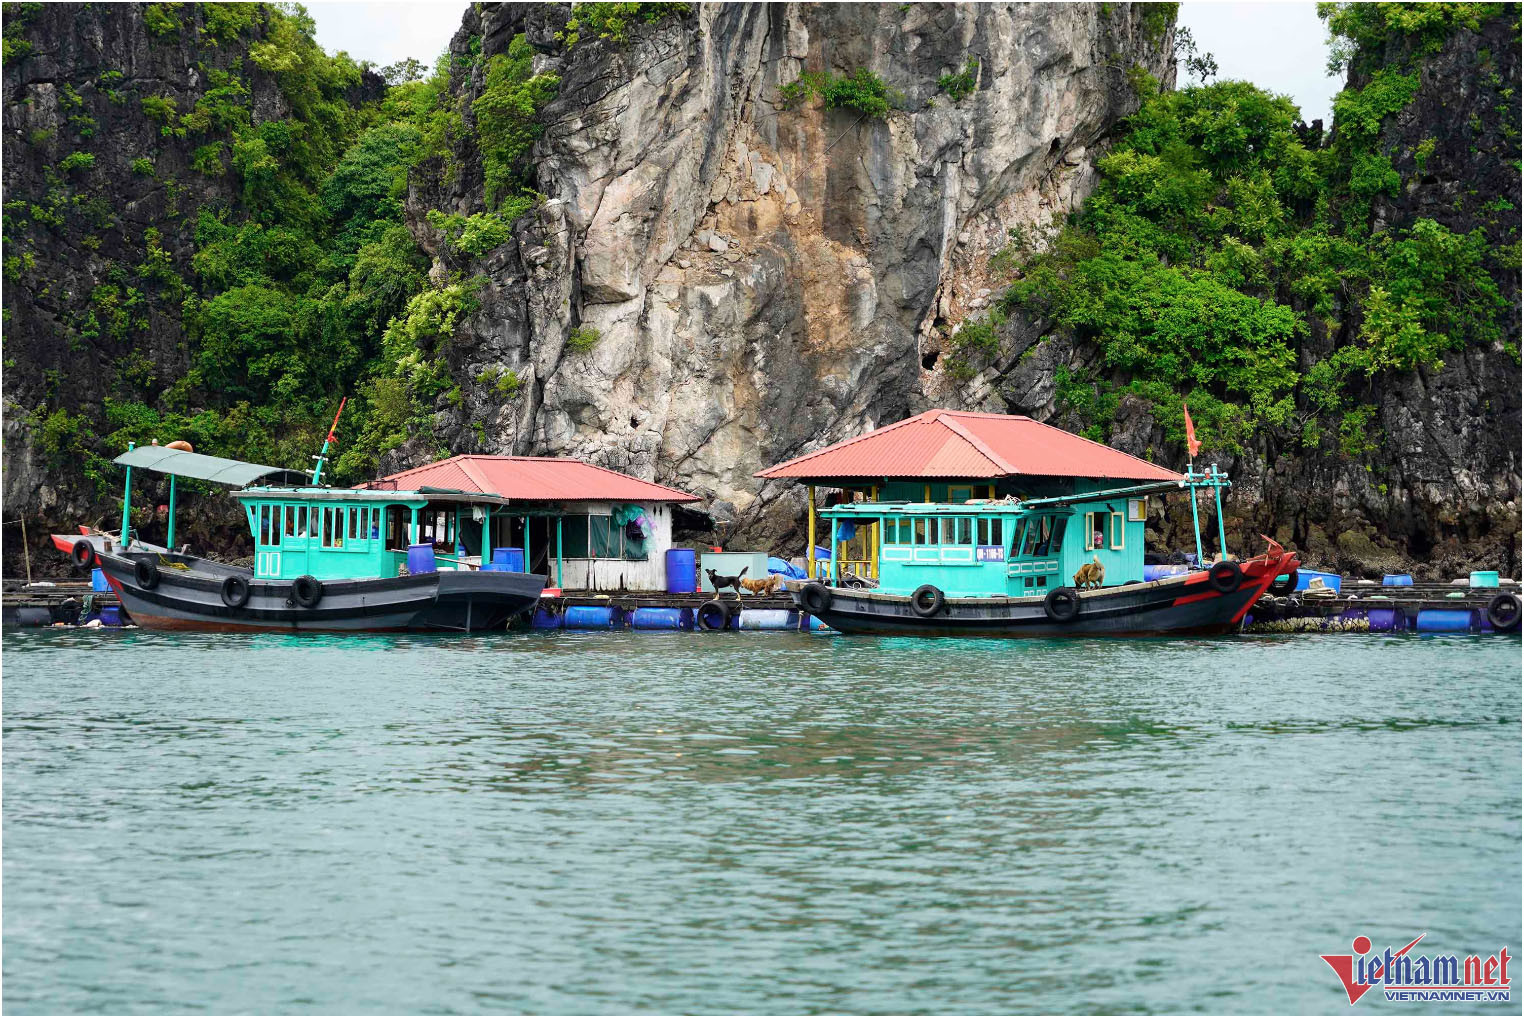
(1228, 259)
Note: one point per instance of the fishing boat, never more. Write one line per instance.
(1043, 567)
(325, 559)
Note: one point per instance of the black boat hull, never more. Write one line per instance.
(1187, 605)
(191, 599)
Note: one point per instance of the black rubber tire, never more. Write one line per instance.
(146, 573)
(83, 553)
(815, 598)
(1503, 612)
(1225, 576)
(235, 591)
(306, 591)
(713, 615)
(927, 601)
(1283, 584)
(1061, 604)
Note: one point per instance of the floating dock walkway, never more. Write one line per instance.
(1429, 607)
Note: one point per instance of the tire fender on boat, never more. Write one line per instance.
(235, 590)
(1283, 584)
(713, 615)
(1503, 611)
(927, 601)
(1225, 576)
(145, 572)
(306, 591)
(83, 553)
(815, 598)
(1061, 604)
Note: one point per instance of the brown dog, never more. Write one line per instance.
(1090, 576)
(767, 586)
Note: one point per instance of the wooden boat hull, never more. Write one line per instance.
(190, 599)
(1180, 605)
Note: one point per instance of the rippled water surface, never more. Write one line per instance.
(746, 823)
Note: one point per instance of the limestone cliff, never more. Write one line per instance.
(763, 279)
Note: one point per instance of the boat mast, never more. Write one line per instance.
(322, 456)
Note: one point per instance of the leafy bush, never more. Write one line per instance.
(142, 166)
(474, 234)
(612, 21)
(77, 160)
(582, 338)
(962, 84)
(861, 91)
(506, 117)
(162, 19)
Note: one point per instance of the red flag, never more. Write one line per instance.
(1192, 446)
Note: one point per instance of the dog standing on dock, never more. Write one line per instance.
(766, 587)
(720, 582)
(1090, 576)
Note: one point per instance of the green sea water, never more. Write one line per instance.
(746, 822)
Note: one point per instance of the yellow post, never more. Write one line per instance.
(928, 493)
(877, 539)
(809, 551)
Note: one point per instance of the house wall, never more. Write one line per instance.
(600, 574)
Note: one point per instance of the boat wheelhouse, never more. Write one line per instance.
(324, 558)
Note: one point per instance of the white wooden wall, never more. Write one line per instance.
(607, 575)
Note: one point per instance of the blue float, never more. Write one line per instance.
(1382, 619)
(662, 619)
(682, 570)
(591, 618)
(767, 620)
(548, 619)
(111, 617)
(420, 559)
(1446, 620)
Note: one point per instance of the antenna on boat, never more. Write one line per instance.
(322, 456)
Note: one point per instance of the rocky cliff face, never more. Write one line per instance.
(765, 280)
(1440, 492)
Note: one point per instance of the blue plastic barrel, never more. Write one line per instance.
(1484, 580)
(1445, 620)
(1154, 572)
(682, 570)
(420, 559)
(1396, 580)
(813, 623)
(546, 619)
(766, 620)
(1382, 619)
(662, 618)
(1332, 581)
(98, 583)
(111, 617)
(594, 617)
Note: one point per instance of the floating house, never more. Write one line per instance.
(581, 526)
(946, 457)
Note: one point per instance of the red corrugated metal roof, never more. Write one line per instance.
(529, 478)
(949, 444)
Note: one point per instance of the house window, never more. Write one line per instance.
(574, 536)
(1118, 530)
(958, 495)
(1095, 530)
(1137, 509)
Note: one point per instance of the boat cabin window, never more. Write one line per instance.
(1043, 535)
(398, 519)
(989, 532)
(269, 525)
(296, 520)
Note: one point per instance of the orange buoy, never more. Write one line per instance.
(182, 446)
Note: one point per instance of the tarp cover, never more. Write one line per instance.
(205, 467)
